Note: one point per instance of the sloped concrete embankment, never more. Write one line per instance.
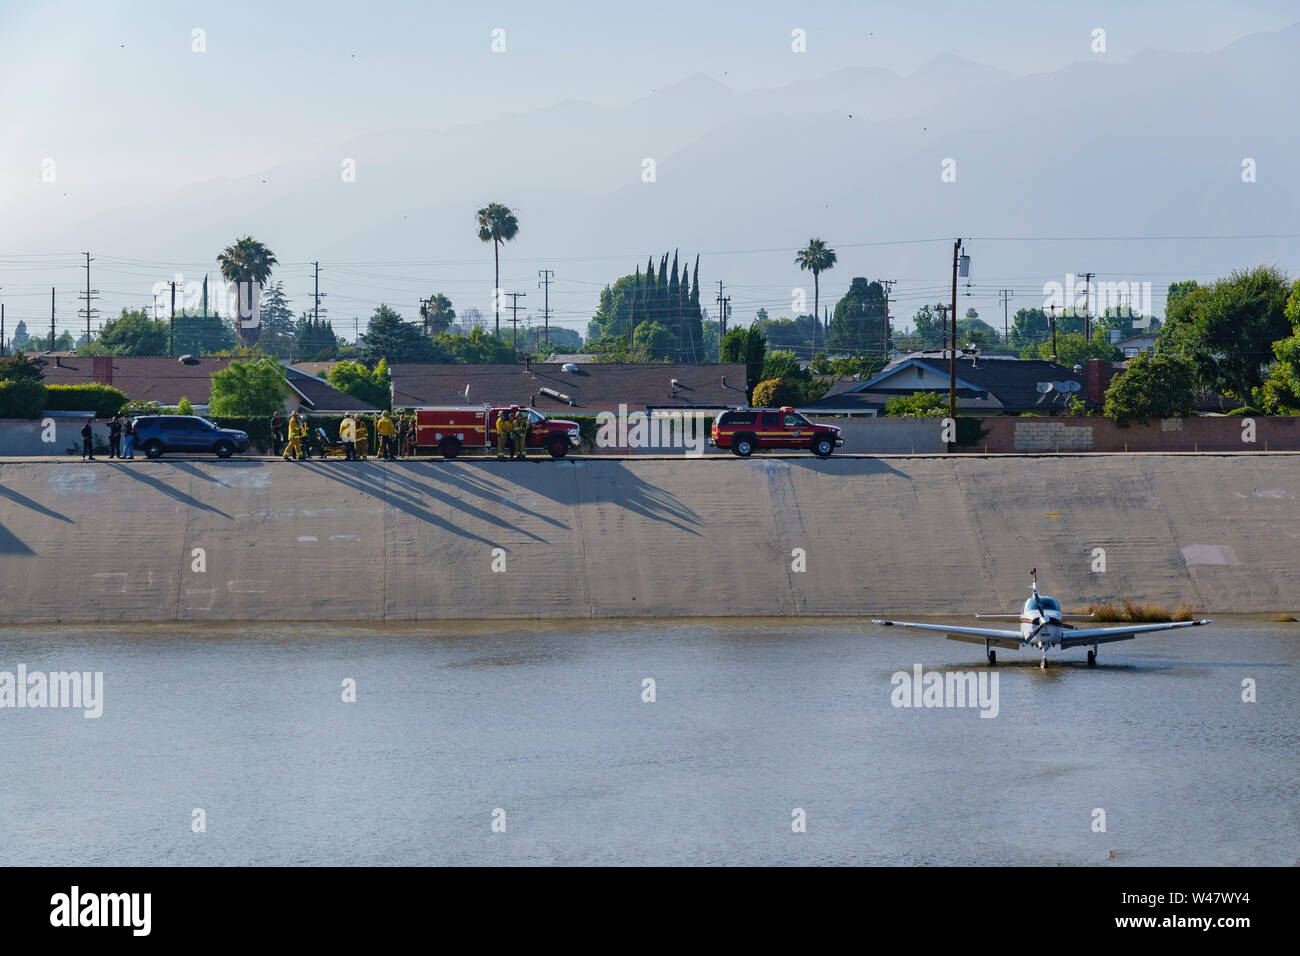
(418, 540)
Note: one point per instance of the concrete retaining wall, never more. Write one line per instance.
(415, 540)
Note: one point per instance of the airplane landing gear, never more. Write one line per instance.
(993, 659)
(1042, 664)
(1092, 658)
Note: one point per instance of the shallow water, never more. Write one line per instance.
(546, 721)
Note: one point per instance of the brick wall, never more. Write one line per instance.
(1028, 435)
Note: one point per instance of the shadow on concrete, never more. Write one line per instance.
(368, 478)
(863, 466)
(469, 481)
(26, 502)
(10, 543)
(189, 469)
(161, 486)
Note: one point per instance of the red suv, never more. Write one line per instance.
(745, 429)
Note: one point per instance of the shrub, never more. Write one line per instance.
(103, 400)
(1133, 613)
(1244, 410)
(21, 399)
(183, 407)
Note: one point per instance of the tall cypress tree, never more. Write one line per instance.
(636, 302)
(675, 305)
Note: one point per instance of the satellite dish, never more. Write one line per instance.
(1060, 386)
(1073, 386)
(1044, 387)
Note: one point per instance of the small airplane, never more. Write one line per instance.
(1042, 625)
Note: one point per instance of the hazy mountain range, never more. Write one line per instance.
(1151, 146)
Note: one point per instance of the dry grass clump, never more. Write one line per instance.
(1284, 619)
(1130, 612)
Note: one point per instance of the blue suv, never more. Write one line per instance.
(187, 433)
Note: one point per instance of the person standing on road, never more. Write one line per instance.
(129, 432)
(115, 438)
(87, 442)
(503, 434)
(410, 437)
(521, 434)
(277, 433)
(348, 436)
(388, 433)
(363, 437)
(294, 448)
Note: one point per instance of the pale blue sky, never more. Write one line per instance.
(113, 89)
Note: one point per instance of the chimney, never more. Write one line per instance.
(102, 369)
(1099, 375)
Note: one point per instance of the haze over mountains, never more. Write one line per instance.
(1150, 146)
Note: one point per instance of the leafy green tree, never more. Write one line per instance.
(1280, 393)
(437, 314)
(815, 258)
(497, 225)
(246, 264)
(1227, 330)
(199, 334)
(315, 340)
(748, 346)
(1156, 385)
(131, 333)
(390, 337)
(62, 343)
(183, 407)
(795, 334)
(20, 335)
(858, 322)
(1177, 291)
(19, 368)
(780, 364)
(252, 388)
(777, 393)
(1033, 327)
(917, 405)
(653, 342)
(477, 348)
(1073, 349)
(374, 387)
(279, 331)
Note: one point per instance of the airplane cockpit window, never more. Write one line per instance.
(1047, 604)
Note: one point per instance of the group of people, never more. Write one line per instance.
(512, 433)
(121, 438)
(394, 438)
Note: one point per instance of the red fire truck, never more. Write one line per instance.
(453, 428)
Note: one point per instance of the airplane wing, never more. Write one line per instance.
(1103, 635)
(983, 633)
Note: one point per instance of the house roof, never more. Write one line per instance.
(320, 396)
(981, 384)
(142, 379)
(577, 358)
(313, 368)
(595, 387)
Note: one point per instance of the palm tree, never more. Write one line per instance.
(497, 224)
(247, 265)
(437, 314)
(815, 258)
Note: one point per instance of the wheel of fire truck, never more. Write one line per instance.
(449, 448)
(823, 447)
(557, 445)
(742, 445)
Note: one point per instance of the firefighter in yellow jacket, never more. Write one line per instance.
(296, 433)
(387, 432)
(503, 432)
(363, 438)
(522, 424)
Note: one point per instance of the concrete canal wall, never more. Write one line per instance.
(258, 540)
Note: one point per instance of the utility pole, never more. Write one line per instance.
(51, 319)
(1087, 289)
(171, 326)
(547, 275)
(2, 329)
(1006, 295)
(887, 285)
(722, 317)
(89, 297)
(514, 309)
(317, 295)
(424, 313)
(952, 355)
(1051, 319)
